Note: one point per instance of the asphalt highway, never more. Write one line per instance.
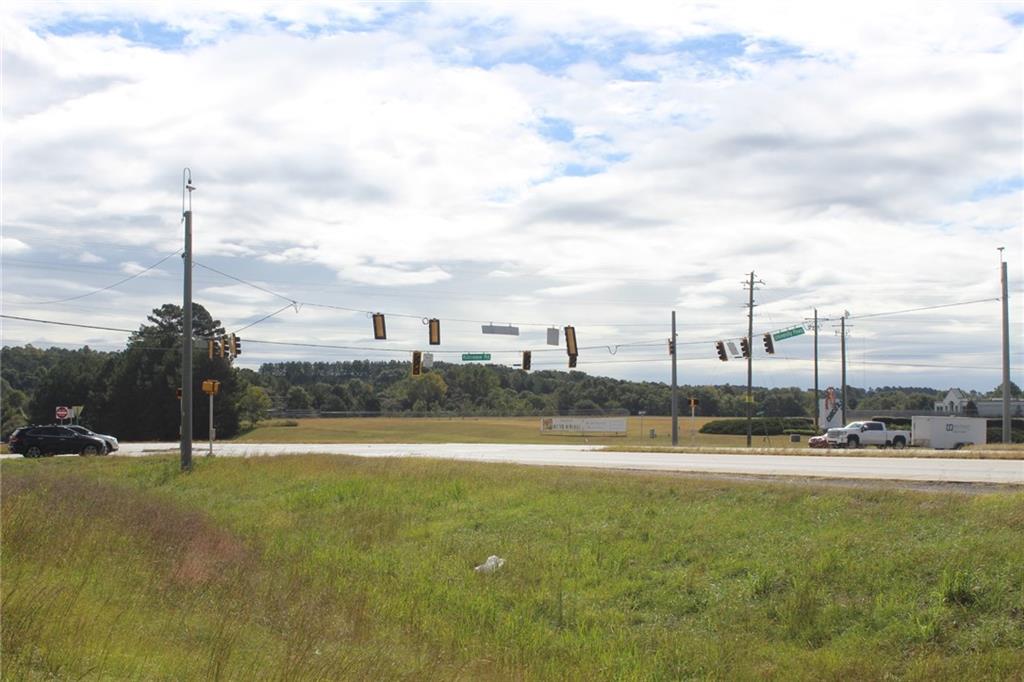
(921, 469)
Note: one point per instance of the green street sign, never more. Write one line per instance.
(788, 333)
(471, 357)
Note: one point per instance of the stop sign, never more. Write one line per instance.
(63, 412)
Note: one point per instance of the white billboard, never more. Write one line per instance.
(583, 425)
(830, 410)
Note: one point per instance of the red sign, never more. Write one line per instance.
(63, 412)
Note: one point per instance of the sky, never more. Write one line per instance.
(598, 165)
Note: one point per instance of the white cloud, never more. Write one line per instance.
(11, 246)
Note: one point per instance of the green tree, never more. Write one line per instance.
(254, 405)
(297, 399)
(140, 394)
(13, 406)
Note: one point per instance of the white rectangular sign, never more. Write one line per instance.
(830, 413)
(583, 425)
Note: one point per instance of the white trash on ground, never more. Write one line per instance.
(492, 564)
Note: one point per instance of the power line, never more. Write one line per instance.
(109, 286)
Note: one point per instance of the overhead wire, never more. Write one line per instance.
(109, 286)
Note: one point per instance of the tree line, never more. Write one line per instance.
(132, 393)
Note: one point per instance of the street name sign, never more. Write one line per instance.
(788, 333)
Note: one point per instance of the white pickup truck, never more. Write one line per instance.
(859, 434)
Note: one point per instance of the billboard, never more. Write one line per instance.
(583, 425)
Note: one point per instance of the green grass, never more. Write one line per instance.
(320, 567)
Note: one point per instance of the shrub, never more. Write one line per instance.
(772, 426)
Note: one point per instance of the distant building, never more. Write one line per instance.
(956, 402)
(953, 403)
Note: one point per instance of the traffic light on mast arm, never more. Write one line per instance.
(570, 341)
(236, 346)
(527, 357)
(223, 348)
(417, 363)
(745, 347)
(720, 347)
(769, 345)
(212, 348)
(379, 330)
(671, 347)
(434, 326)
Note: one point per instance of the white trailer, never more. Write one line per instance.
(947, 433)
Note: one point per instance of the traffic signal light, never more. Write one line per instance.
(236, 346)
(769, 345)
(671, 347)
(572, 361)
(417, 363)
(212, 348)
(720, 347)
(527, 357)
(570, 341)
(435, 332)
(178, 391)
(379, 332)
(745, 347)
(223, 348)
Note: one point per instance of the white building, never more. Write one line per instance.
(956, 401)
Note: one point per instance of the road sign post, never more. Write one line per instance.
(62, 412)
(211, 387)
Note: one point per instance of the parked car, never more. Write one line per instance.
(111, 442)
(818, 442)
(38, 441)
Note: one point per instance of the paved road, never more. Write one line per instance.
(878, 468)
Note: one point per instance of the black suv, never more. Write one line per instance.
(37, 441)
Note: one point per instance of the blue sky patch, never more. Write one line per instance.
(1017, 18)
(997, 187)
(557, 129)
(158, 35)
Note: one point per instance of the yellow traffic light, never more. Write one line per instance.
(570, 341)
(417, 363)
(435, 332)
(379, 331)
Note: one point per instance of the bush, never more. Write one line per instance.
(772, 426)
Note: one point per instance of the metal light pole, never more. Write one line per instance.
(675, 398)
(817, 407)
(1007, 424)
(186, 331)
(750, 357)
(842, 351)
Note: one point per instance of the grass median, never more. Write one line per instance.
(320, 567)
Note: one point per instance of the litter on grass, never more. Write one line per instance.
(492, 564)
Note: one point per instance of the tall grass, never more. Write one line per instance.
(343, 568)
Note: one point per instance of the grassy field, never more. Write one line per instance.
(317, 567)
(466, 430)
(527, 430)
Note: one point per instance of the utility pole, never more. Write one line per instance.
(675, 392)
(186, 333)
(1007, 424)
(842, 351)
(817, 406)
(750, 356)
